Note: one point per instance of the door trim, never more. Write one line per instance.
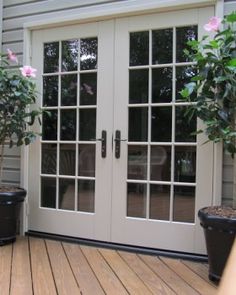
(111, 11)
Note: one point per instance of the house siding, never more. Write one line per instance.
(16, 13)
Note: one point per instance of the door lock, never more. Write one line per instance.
(103, 140)
(117, 140)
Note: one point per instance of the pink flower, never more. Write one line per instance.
(11, 56)
(28, 71)
(213, 24)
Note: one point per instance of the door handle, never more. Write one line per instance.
(117, 140)
(103, 140)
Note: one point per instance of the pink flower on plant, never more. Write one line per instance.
(12, 56)
(213, 24)
(28, 71)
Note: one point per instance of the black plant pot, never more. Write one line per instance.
(219, 235)
(10, 203)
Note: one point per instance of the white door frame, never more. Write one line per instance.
(111, 11)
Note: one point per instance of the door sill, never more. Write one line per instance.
(115, 246)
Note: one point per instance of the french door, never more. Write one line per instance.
(118, 160)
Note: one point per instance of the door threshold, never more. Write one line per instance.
(122, 247)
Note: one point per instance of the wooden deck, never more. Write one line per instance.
(37, 266)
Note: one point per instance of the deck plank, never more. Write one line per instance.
(129, 279)
(200, 269)
(83, 273)
(21, 282)
(63, 276)
(168, 276)
(43, 282)
(190, 277)
(5, 268)
(107, 278)
(154, 282)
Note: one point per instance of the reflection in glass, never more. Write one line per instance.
(49, 158)
(50, 125)
(183, 76)
(183, 35)
(137, 162)
(160, 163)
(138, 124)
(69, 55)
(185, 163)
(50, 91)
(88, 53)
(159, 202)
(68, 124)
(162, 46)
(162, 85)
(161, 124)
(138, 86)
(48, 192)
(86, 192)
(139, 48)
(67, 159)
(88, 89)
(69, 90)
(87, 124)
(67, 194)
(51, 57)
(136, 200)
(184, 128)
(184, 204)
(87, 160)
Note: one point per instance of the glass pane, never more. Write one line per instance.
(183, 76)
(50, 91)
(184, 128)
(86, 192)
(49, 158)
(162, 85)
(161, 124)
(183, 35)
(138, 86)
(185, 163)
(138, 124)
(87, 124)
(69, 90)
(69, 55)
(48, 192)
(51, 57)
(136, 200)
(88, 53)
(160, 163)
(184, 204)
(162, 46)
(68, 124)
(67, 194)
(159, 202)
(88, 89)
(87, 160)
(50, 125)
(137, 162)
(67, 159)
(139, 48)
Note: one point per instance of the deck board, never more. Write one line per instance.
(21, 282)
(5, 268)
(43, 281)
(39, 266)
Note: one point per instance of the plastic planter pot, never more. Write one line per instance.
(219, 235)
(10, 202)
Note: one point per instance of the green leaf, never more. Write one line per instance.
(232, 63)
(184, 93)
(231, 18)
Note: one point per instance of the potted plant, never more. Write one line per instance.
(17, 93)
(212, 97)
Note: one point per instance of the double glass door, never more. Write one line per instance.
(117, 160)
